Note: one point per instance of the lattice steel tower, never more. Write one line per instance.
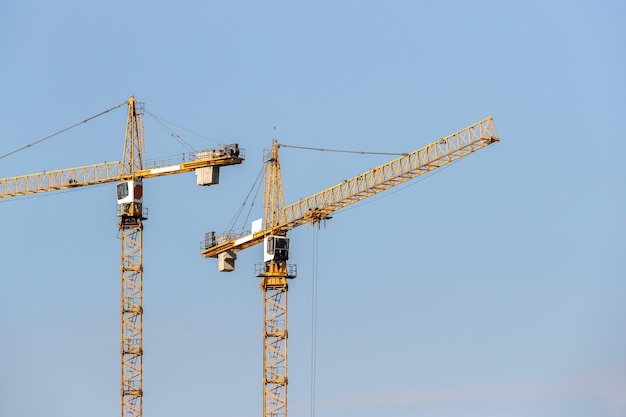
(131, 213)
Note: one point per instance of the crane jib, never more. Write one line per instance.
(114, 172)
(319, 206)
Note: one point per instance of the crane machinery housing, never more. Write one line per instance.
(129, 175)
(280, 219)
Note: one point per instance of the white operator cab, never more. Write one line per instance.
(129, 192)
(276, 248)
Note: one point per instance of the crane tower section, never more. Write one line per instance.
(131, 214)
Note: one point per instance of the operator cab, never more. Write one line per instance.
(130, 192)
(276, 248)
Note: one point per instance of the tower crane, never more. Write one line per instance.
(129, 174)
(280, 219)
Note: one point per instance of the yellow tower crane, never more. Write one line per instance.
(129, 174)
(279, 219)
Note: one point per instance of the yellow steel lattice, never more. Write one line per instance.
(318, 206)
(274, 286)
(132, 317)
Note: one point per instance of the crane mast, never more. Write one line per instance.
(274, 199)
(131, 216)
(274, 273)
(279, 219)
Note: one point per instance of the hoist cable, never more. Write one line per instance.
(62, 130)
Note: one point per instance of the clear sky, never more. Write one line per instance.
(495, 287)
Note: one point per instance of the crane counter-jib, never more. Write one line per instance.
(319, 206)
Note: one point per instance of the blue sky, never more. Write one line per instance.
(494, 287)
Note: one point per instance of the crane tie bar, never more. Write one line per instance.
(62, 130)
(344, 151)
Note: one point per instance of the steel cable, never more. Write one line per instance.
(62, 130)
